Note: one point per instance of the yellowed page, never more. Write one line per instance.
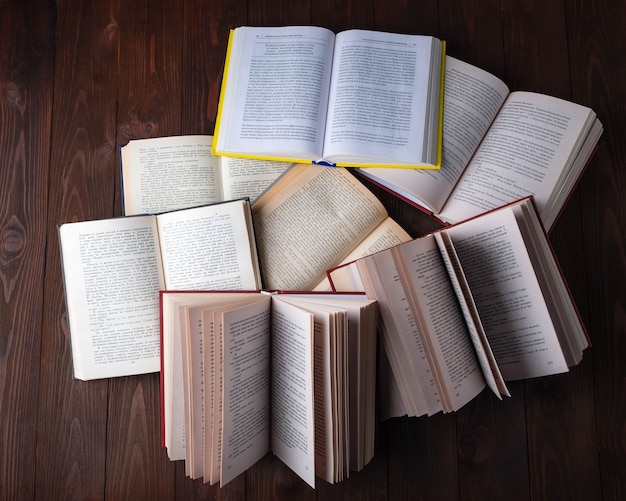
(386, 235)
(310, 220)
(169, 173)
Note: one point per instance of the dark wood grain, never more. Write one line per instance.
(79, 78)
(26, 76)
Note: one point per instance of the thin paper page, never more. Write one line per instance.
(490, 369)
(293, 428)
(208, 248)
(472, 98)
(169, 173)
(246, 177)
(112, 278)
(193, 384)
(277, 83)
(387, 234)
(524, 153)
(508, 297)
(400, 337)
(308, 222)
(378, 98)
(246, 421)
(440, 322)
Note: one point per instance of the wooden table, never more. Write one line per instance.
(80, 78)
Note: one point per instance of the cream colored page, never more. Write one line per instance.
(169, 173)
(387, 234)
(112, 277)
(308, 228)
(246, 177)
(246, 412)
(531, 142)
(277, 91)
(212, 395)
(195, 390)
(472, 98)
(325, 393)
(440, 322)
(174, 305)
(508, 297)
(378, 99)
(293, 422)
(208, 248)
(214, 454)
(475, 330)
(400, 337)
(172, 379)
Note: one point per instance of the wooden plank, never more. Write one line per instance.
(492, 448)
(206, 28)
(149, 96)
(422, 458)
(72, 414)
(26, 72)
(596, 57)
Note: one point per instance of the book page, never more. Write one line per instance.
(308, 222)
(472, 98)
(169, 173)
(209, 248)
(440, 324)
(487, 361)
(380, 93)
(362, 317)
(173, 307)
(248, 178)
(507, 295)
(293, 423)
(387, 234)
(193, 388)
(399, 334)
(112, 277)
(276, 92)
(246, 412)
(527, 150)
(213, 453)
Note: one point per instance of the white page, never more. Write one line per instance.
(525, 152)
(293, 426)
(246, 412)
(440, 322)
(112, 277)
(378, 102)
(508, 297)
(208, 248)
(277, 83)
(472, 98)
(169, 173)
(247, 177)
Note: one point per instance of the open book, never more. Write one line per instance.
(312, 219)
(113, 270)
(498, 147)
(304, 94)
(163, 174)
(466, 307)
(246, 373)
